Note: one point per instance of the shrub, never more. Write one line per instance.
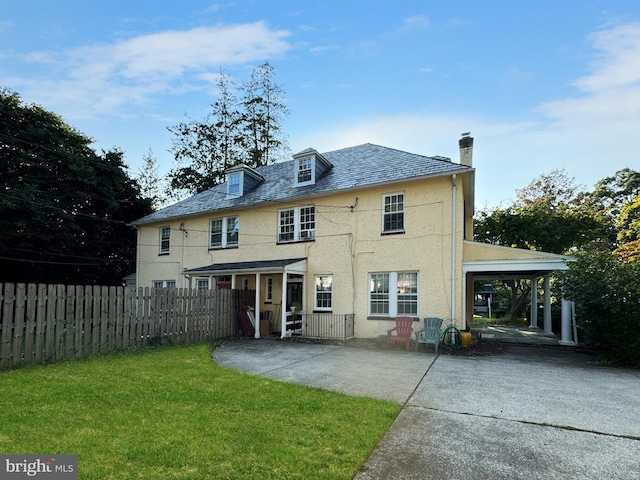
(606, 292)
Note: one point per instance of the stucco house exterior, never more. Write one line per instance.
(357, 236)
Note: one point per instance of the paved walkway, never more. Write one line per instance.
(530, 413)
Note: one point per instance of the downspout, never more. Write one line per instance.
(454, 191)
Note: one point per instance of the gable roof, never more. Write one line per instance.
(357, 167)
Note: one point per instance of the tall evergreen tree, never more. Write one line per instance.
(235, 131)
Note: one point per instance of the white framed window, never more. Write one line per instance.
(323, 292)
(245, 284)
(304, 170)
(393, 293)
(297, 224)
(234, 184)
(202, 283)
(165, 237)
(164, 284)
(224, 232)
(393, 213)
(269, 295)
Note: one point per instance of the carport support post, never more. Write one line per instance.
(534, 304)
(547, 307)
(565, 337)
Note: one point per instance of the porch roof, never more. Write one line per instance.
(289, 265)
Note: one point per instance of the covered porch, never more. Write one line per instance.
(535, 267)
(279, 307)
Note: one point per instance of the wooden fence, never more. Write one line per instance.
(48, 323)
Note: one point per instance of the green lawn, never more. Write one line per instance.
(173, 413)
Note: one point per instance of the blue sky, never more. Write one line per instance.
(541, 84)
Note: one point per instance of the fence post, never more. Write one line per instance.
(7, 324)
(41, 320)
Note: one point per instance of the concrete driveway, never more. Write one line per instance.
(530, 413)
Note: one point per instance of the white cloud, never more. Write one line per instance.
(617, 63)
(415, 22)
(98, 79)
(591, 135)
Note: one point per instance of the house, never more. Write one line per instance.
(361, 235)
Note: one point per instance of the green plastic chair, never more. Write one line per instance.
(430, 333)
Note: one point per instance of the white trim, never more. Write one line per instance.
(240, 192)
(533, 264)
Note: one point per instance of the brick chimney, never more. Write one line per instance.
(466, 149)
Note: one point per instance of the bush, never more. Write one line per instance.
(606, 292)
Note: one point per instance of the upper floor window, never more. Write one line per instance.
(297, 223)
(224, 232)
(165, 235)
(323, 292)
(393, 213)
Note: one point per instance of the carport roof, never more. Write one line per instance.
(493, 261)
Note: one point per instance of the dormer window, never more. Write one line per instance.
(305, 170)
(309, 167)
(241, 179)
(235, 184)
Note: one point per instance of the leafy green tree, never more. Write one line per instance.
(606, 292)
(235, 131)
(63, 208)
(551, 214)
(629, 221)
(616, 191)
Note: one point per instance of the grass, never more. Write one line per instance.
(172, 413)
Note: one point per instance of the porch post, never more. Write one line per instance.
(534, 304)
(565, 337)
(283, 319)
(257, 306)
(547, 307)
(233, 281)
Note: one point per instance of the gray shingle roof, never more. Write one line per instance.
(355, 167)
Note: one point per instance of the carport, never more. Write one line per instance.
(492, 262)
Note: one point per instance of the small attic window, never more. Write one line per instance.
(305, 171)
(309, 166)
(242, 179)
(234, 184)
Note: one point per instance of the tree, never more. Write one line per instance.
(615, 191)
(264, 108)
(606, 292)
(246, 131)
(551, 214)
(205, 149)
(149, 180)
(63, 208)
(628, 221)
